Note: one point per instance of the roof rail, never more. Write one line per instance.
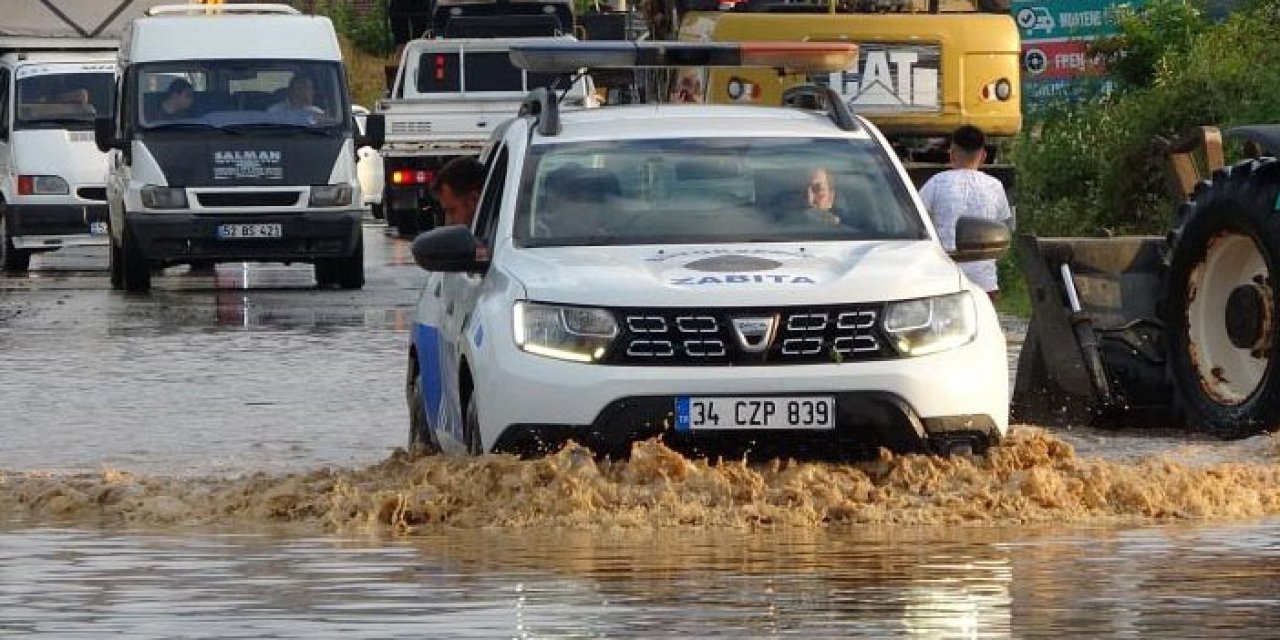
(202, 9)
(821, 98)
(542, 104)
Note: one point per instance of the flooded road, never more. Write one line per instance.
(217, 460)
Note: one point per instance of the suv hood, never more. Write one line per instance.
(735, 275)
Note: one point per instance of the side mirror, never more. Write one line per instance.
(104, 134)
(980, 239)
(450, 248)
(375, 132)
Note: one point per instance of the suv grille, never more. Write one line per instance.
(810, 335)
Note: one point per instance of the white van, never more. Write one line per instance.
(233, 140)
(52, 191)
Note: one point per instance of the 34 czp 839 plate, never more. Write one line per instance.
(731, 413)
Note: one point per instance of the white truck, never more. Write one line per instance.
(56, 76)
(448, 97)
(233, 140)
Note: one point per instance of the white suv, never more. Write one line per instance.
(657, 271)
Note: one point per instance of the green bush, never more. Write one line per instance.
(1090, 169)
(371, 32)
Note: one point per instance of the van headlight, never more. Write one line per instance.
(930, 325)
(330, 195)
(579, 334)
(164, 197)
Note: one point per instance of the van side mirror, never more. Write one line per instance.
(451, 248)
(104, 134)
(375, 131)
(980, 239)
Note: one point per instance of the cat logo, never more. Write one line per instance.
(892, 78)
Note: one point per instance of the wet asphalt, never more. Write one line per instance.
(249, 368)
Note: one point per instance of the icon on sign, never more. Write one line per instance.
(1035, 19)
(1035, 61)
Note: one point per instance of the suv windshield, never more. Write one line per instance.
(225, 94)
(53, 96)
(712, 190)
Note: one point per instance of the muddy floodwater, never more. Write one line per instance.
(220, 459)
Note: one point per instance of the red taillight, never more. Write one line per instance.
(26, 185)
(439, 67)
(412, 177)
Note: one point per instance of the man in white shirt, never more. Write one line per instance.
(300, 100)
(963, 190)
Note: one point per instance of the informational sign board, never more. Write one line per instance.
(1056, 35)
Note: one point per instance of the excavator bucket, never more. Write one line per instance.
(1093, 348)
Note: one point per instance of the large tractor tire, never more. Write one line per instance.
(1221, 305)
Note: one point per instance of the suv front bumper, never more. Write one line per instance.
(904, 404)
(305, 236)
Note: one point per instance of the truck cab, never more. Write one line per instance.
(449, 96)
(52, 191)
(233, 140)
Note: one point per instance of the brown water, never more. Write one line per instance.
(219, 460)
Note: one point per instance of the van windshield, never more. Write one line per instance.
(712, 190)
(224, 94)
(50, 97)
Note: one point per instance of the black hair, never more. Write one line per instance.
(969, 139)
(463, 175)
(179, 85)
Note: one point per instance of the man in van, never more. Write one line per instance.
(301, 99)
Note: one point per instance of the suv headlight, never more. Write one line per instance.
(164, 197)
(930, 325)
(579, 334)
(331, 195)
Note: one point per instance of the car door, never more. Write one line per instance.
(444, 314)
(459, 292)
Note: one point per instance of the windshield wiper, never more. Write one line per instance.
(54, 121)
(174, 126)
(317, 130)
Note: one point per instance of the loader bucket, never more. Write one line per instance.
(1093, 350)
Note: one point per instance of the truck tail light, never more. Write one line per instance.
(412, 177)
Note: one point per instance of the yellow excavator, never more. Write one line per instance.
(924, 68)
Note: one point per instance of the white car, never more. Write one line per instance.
(654, 270)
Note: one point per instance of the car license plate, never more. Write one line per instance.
(97, 228)
(701, 413)
(249, 231)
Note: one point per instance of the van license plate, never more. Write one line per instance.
(97, 228)
(249, 231)
(701, 413)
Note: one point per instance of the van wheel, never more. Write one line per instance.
(115, 261)
(349, 272)
(407, 224)
(376, 210)
(1222, 307)
(11, 260)
(135, 272)
(325, 273)
(471, 427)
(421, 440)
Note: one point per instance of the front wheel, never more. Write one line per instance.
(12, 260)
(471, 427)
(135, 272)
(1221, 306)
(421, 440)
